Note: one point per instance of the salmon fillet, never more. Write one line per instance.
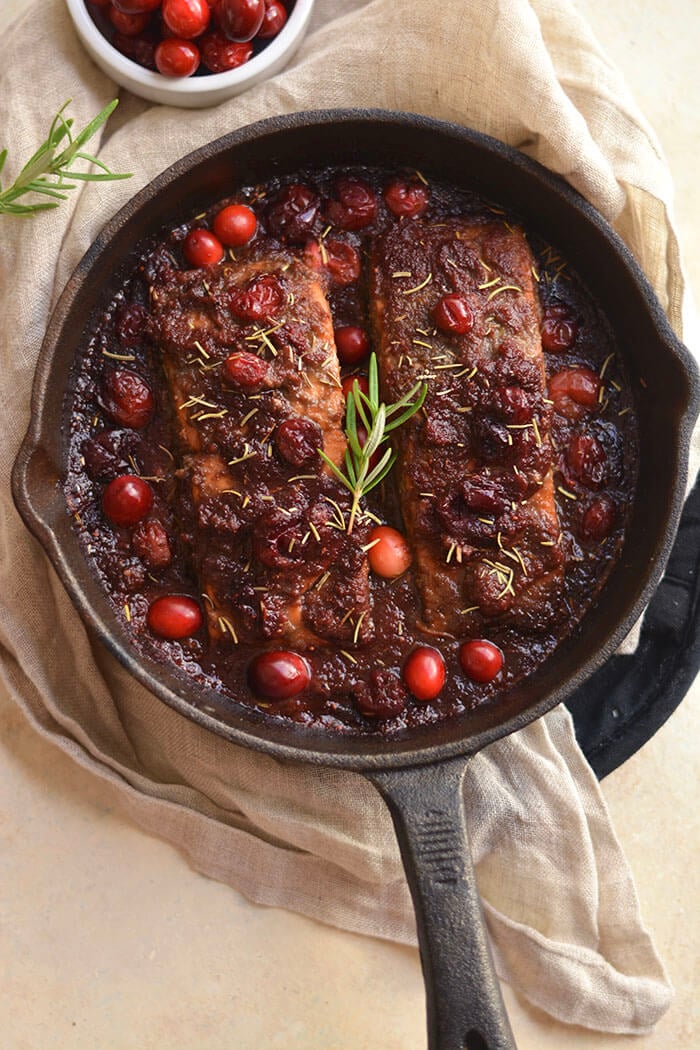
(474, 467)
(264, 517)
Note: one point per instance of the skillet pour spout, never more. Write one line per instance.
(420, 772)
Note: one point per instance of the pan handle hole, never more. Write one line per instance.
(474, 1040)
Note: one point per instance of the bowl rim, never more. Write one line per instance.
(370, 753)
(178, 87)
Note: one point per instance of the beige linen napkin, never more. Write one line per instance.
(559, 897)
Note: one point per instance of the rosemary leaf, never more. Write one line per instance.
(48, 171)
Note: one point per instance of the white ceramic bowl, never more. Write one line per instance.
(191, 92)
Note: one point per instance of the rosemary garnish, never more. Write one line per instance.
(48, 173)
(378, 420)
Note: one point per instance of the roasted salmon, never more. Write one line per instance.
(454, 304)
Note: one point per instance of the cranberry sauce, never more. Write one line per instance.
(176, 513)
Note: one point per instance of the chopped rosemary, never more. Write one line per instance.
(48, 172)
(378, 419)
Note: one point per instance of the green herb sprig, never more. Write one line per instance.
(379, 420)
(48, 173)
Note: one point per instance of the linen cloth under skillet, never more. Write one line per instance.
(558, 894)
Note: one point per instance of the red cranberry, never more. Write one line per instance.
(389, 554)
(407, 199)
(356, 206)
(277, 675)
(340, 260)
(130, 323)
(127, 499)
(258, 300)
(292, 215)
(514, 404)
(174, 616)
(424, 672)
(127, 24)
(349, 381)
(298, 440)
(245, 370)
(574, 392)
(186, 19)
(177, 58)
(219, 54)
(481, 660)
(240, 20)
(274, 18)
(132, 7)
(559, 329)
(598, 519)
(351, 343)
(139, 49)
(453, 314)
(202, 248)
(384, 696)
(127, 398)
(235, 225)
(150, 542)
(585, 457)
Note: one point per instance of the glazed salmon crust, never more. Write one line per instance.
(475, 467)
(254, 384)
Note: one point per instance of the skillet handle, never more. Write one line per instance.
(464, 1004)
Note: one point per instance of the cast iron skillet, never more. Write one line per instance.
(420, 776)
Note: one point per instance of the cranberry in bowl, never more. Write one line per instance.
(200, 64)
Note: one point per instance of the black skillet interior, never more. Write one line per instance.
(666, 406)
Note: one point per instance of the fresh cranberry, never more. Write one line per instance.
(127, 398)
(356, 206)
(174, 616)
(139, 49)
(177, 58)
(186, 19)
(240, 20)
(383, 696)
(585, 457)
(132, 7)
(298, 440)
(352, 344)
(245, 370)
(453, 314)
(481, 660)
(219, 54)
(598, 519)
(235, 225)
(278, 675)
(424, 672)
(340, 260)
(274, 18)
(127, 24)
(127, 499)
(389, 554)
(559, 329)
(349, 381)
(407, 199)
(150, 542)
(258, 300)
(574, 392)
(130, 324)
(292, 215)
(202, 248)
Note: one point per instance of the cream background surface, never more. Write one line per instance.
(107, 938)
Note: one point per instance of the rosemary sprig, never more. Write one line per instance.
(379, 420)
(48, 172)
